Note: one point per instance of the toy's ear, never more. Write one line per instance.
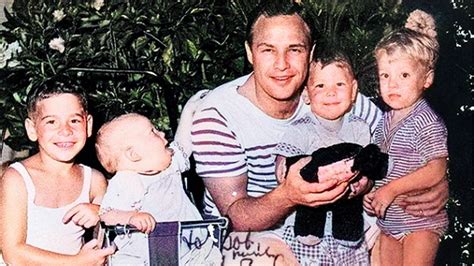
(31, 130)
(132, 155)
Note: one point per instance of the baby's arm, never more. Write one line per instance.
(87, 214)
(143, 221)
(121, 203)
(423, 178)
(13, 228)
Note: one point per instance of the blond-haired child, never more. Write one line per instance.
(47, 200)
(415, 138)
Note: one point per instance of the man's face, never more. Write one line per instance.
(280, 54)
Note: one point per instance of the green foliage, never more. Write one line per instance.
(177, 48)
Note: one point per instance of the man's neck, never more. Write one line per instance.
(279, 109)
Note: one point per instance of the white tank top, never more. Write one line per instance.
(45, 228)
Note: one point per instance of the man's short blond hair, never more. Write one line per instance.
(110, 143)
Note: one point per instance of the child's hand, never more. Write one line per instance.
(83, 214)
(360, 187)
(368, 198)
(90, 254)
(340, 170)
(383, 197)
(143, 221)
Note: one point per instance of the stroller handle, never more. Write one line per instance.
(126, 229)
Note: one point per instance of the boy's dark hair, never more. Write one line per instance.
(327, 56)
(52, 87)
(273, 8)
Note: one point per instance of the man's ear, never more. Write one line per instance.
(90, 122)
(355, 86)
(305, 95)
(429, 79)
(132, 155)
(248, 51)
(31, 130)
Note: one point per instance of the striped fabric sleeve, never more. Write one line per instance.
(431, 141)
(367, 110)
(215, 147)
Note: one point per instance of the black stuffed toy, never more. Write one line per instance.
(347, 217)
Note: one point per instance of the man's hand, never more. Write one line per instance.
(83, 214)
(143, 221)
(314, 194)
(428, 202)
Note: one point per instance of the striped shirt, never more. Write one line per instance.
(411, 144)
(231, 137)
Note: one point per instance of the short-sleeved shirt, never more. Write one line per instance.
(231, 136)
(308, 134)
(411, 143)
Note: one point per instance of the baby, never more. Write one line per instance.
(147, 186)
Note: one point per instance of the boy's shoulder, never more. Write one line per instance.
(12, 178)
(425, 115)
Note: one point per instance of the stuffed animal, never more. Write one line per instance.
(346, 213)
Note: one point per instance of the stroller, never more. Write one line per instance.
(166, 241)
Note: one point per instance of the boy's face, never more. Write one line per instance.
(61, 127)
(330, 90)
(149, 144)
(402, 79)
(280, 54)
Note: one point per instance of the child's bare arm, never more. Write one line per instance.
(423, 178)
(87, 214)
(13, 230)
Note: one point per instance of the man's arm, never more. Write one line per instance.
(259, 213)
(421, 179)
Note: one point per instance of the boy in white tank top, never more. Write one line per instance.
(47, 200)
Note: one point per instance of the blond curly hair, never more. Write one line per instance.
(417, 39)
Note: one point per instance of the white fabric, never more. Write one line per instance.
(161, 195)
(45, 228)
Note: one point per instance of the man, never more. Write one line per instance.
(238, 126)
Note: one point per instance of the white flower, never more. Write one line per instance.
(4, 55)
(7, 53)
(98, 4)
(57, 44)
(58, 15)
